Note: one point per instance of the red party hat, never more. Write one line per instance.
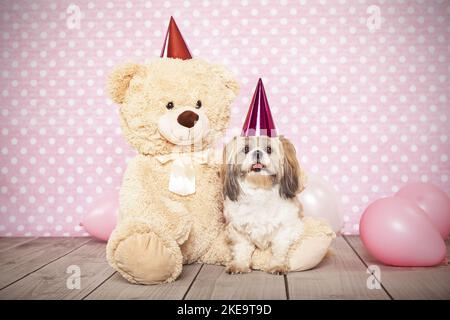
(174, 45)
(259, 121)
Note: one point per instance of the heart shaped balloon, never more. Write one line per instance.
(433, 201)
(398, 232)
(102, 220)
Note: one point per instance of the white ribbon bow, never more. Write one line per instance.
(182, 172)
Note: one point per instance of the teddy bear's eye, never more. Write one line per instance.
(246, 149)
(170, 105)
(199, 104)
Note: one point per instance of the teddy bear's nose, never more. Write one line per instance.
(187, 119)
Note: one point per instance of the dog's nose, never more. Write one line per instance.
(187, 119)
(258, 154)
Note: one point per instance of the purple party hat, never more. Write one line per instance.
(259, 121)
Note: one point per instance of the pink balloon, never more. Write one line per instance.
(321, 200)
(433, 201)
(397, 232)
(102, 220)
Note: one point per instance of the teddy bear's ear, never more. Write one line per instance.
(119, 80)
(228, 79)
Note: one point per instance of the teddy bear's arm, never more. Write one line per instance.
(143, 196)
(145, 246)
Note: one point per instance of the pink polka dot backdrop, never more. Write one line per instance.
(361, 87)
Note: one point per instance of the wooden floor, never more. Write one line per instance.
(36, 268)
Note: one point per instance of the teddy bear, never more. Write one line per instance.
(173, 110)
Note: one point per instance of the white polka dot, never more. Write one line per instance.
(371, 101)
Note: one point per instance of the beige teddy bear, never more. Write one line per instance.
(172, 110)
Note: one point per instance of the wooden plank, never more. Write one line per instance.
(341, 275)
(118, 288)
(214, 283)
(30, 256)
(50, 282)
(409, 283)
(448, 250)
(7, 243)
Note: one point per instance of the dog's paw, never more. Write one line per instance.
(277, 269)
(233, 268)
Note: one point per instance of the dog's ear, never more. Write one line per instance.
(229, 171)
(290, 183)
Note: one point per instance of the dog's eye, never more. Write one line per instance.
(170, 105)
(246, 149)
(269, 150)
(199, 104)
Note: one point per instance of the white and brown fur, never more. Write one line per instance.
(261, 178)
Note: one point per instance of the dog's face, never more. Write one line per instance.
(259, 155)
(261, 162)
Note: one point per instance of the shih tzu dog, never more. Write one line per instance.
(261, 178)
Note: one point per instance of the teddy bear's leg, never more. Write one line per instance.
(219, 252)
(142, 253)
(312, 247)
(306, 252)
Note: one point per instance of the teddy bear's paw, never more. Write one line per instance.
(235, 268)
(278, 269)
(146, 258)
